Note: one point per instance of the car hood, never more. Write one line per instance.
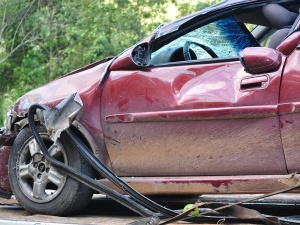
(171, 27)
(81, 81)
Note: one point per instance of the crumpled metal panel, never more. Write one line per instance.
(84, 82)
(59, 118)
(87, 83)
(191, 120)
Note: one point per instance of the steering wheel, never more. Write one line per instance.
(186, 48)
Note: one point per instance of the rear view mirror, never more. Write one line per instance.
(258, 60)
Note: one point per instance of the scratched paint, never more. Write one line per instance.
(191, 120)
(203, 185)
(195, 148)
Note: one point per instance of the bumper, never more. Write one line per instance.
(6, 141)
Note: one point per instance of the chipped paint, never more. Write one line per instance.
(205, 185)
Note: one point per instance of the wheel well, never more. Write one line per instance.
(84, 140)
(21, 123)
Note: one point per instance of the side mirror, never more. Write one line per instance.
(258, 60)
(133, 58)
(140, 55)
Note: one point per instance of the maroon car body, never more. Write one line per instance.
(213, 125)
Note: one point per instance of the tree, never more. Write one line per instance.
(31, 38)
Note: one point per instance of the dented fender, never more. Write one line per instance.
(87, 82)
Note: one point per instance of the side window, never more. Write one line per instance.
(261, 33)
(220, 39)
(265, 40)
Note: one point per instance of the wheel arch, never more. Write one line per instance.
(71, 197)
(81, 131)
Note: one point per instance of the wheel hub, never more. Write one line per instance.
(39, 180)
(39, 168)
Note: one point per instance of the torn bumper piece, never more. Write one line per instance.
(60, 118)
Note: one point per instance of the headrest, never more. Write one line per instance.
(279, 16)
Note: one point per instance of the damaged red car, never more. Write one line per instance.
(208, 103)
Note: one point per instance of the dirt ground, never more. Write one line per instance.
(102, 210)
(10, 210)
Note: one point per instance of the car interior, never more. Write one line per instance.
(271, 17)
(269, 25)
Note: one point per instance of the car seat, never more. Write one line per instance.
(281, 19)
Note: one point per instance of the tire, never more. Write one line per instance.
(39, 187)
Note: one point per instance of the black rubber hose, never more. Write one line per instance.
(148, 203)
(141, 206)
(98, 165)
(124, 200)
(141, 199)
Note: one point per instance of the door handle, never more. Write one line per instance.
(257, 82)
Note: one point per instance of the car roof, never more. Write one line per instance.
(171, 27)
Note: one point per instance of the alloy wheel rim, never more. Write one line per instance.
(38, 179)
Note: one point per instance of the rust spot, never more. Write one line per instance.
(198, 156)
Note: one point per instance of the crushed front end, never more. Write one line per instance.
(7, 136)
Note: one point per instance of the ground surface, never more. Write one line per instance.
(100, 211)
(105, 211)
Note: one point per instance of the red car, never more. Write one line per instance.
(208, 103)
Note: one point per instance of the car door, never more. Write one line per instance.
(289, 106)
(203, 116)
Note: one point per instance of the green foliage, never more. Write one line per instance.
(43, 39)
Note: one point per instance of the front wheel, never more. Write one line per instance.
(40, 187)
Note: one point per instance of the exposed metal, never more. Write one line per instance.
(61, 116)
